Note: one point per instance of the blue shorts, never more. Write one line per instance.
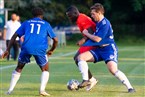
(41, 60)
(107, 53)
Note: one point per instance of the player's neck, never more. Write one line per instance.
(40, 16)
(101, 18)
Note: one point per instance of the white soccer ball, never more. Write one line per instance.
(73, 84)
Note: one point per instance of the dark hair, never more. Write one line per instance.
(72, 12)
(37, 11)
(98, 8)
(72, 9)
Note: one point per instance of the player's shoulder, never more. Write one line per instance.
(105, 21)
(9, 21)
(83, 18)
(46, 22)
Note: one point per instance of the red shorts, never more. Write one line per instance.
(83, 49)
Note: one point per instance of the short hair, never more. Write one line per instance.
(98, 8)
(72, 9)
(37, 11)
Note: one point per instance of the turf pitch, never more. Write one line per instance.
(63, 68)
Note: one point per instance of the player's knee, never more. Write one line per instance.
(113, 71)
(19, 67)
(80, 57)
(112, 66)
(45, 67)
(74, 58)
(18, 70)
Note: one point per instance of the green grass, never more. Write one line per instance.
(62, 69)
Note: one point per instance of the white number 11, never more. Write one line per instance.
(32, 28)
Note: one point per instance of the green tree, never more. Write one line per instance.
(120, 11)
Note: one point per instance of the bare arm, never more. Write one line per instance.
(54, 45)
(83, 40)
(92, 37)
(10, 45)
(4, 34)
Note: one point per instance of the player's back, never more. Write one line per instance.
(36, 32)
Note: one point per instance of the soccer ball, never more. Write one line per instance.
(72, 84)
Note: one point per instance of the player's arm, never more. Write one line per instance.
(54, 45)
(4, 34)
(92, 37)
(10, 45)
(83, 40)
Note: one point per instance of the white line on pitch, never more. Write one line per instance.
(56, 56)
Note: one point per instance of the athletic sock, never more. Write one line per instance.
(44, 80)
(122, 77)
(83, 67)
(15, 77)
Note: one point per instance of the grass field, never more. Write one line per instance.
(62, 69)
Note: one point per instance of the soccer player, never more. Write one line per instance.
(106, 51)
(84, 23)
(36, 32)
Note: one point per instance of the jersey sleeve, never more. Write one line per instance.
(84, 25)
(6, 25)
(102, 31)
(21, 30)
(80, 27)
(50, 32)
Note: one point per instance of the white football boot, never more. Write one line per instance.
(43, 93)
(93, 81)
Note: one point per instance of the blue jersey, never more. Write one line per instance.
(36, 32)
(103, 30)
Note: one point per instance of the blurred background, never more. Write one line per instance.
(127, 17)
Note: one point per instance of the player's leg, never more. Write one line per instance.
(15, 77)
(76, 61)
(83, 67)
(112, 66)
(110, 57)
(42, 61)
(92, 79)
(23, 59)
(16, 49)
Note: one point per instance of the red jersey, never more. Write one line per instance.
(85, 22)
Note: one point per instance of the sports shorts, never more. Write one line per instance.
(41, 60)
(83, 49)
(107, 53)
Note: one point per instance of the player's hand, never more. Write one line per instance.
(6, 53)
(49, 53)
(80, 42)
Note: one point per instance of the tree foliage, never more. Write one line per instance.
(118, 11)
